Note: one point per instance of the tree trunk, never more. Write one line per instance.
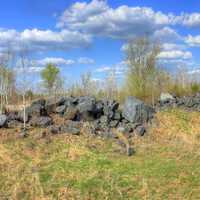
(24, 110)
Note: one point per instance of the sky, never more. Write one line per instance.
(81, 36)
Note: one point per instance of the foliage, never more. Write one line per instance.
(49, 75)
(195, 87)
(143, 75)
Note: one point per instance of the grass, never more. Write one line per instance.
(166, 165)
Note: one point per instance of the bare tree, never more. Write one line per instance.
(111, 88)
(142, 68)
(24, 63)
(7, 79)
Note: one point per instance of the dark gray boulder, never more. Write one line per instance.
(136, 111)
(71, 101)
(71, 113)
(43, 121)
(98, 111)
(3, 121)
(87, 108)
(39, 101)
(36, 110)
(53, 129)
(110, 106)
(71, 127)
(61, 109)
(52, 103)
(13, 115)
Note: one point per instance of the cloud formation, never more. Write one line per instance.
(42, 40)
(124, 22)
(175, 54)
(56, 61)
(86, 61)
(193, 41)
(97, 18)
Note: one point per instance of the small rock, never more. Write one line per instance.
(54, 129)
(129, 151)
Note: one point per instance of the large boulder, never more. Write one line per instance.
(53, 103)
(164, 97)
(136, 111)
(36, 110)
(110, 106)
(3, 121)
(87, 108)
(71, 113)
(43, 121)
(71, 101)
(13, 115)
(61, 109)
(39, 101)
(167, 100)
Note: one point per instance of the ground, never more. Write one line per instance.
(166, 164)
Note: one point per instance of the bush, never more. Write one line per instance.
(194, 88)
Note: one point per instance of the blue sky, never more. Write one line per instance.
(81, 36)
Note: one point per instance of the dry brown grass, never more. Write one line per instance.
(166, 164)
(179, 124)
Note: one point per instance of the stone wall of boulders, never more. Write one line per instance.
(171, 101)
(104, 118)
(101, 115)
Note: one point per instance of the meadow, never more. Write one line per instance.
(166, 164)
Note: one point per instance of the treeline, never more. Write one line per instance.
(144, 78)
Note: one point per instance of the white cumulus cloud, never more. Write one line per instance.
(42, 40)
(175, 54)
(193, 40)
(85, 60)
(125, 22)
(56, 61)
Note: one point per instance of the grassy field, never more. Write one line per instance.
(166, 164)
